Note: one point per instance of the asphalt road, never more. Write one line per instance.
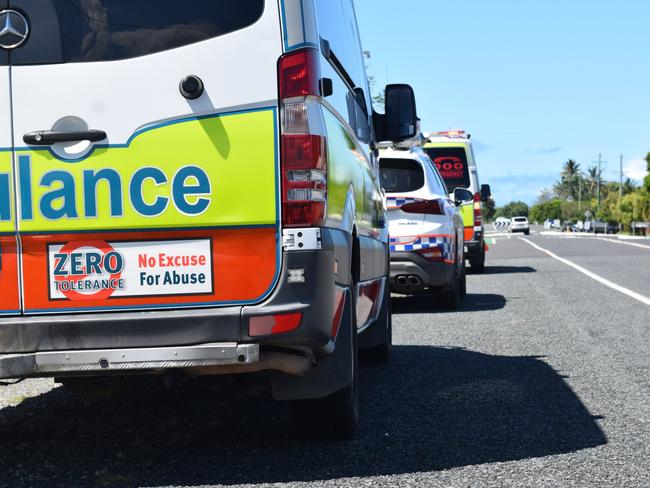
(541, 380)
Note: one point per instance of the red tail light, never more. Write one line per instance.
(478, 214)
(299, 74)
(303, 140)
(273, 324)
(430, 207)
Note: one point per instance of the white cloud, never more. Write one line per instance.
(635, 169)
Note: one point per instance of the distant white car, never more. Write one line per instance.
(520, 224)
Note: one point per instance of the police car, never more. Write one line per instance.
(193, 187)
(452, 153)
(425, 227)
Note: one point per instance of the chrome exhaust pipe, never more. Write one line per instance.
(415, 281)
(402, 281)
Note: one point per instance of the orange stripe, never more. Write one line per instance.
(243, 263)
(9, 275)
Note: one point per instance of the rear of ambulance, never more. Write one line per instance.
(143, 225)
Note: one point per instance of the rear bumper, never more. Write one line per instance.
(150, 340)
(119, 360)
(411, 265)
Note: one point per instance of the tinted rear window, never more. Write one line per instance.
(452, 165)
(520, 219)
(400, 175)
(66, 31)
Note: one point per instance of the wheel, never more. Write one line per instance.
(463, 280)
(381, 352)
(450, 297)
(527, 232)
(478, 264)
(334, 417)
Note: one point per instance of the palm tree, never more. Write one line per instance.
(570, 175)
(593, 175)
(629, 186)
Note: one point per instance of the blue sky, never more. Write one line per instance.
(535, 82)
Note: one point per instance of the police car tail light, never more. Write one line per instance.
(430, 207)
(431, 254)
(303, 140)
(478, 214)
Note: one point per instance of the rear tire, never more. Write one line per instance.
(527, 232)
(450, 297)
(334, 417)
(463, 280)
(478, 263)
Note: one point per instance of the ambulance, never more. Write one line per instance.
(452, 153)
(193, 187)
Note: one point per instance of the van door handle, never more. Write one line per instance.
(49, 137)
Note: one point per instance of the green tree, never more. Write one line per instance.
(512, 209)
(570, 176)
(629, 186)
(646, 181)
(551, 209)
(489, 209)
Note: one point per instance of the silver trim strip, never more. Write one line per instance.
(111, 360)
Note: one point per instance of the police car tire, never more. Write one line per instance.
(463, 280)
(336, 416)
(380, 354)
(450, 297)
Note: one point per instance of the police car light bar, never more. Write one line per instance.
(452, 134)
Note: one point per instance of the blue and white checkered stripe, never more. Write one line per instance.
(445, 243)
(398, 202)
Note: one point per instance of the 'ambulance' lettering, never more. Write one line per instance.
(190, 189)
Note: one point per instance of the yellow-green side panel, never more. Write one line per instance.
(467, 212)
(7, 212)
(344, 167)
(236, 152)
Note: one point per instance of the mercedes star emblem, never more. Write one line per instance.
(14, 29)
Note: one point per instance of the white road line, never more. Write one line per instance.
(632, 294)
(618, 241)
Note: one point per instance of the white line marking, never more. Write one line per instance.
(593, 276)
(622, 242)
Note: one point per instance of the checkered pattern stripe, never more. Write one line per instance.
(445, 243)
(396, 202)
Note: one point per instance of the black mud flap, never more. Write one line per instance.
(332, 372)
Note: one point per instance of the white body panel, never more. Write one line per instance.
(406, 229)
(120, 97)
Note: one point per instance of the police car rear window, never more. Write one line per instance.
(452, 165)
(400, 175)
(68, 31)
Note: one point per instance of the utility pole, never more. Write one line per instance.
(620, 191)
(600, 162)
(620, 185)
(580, 196)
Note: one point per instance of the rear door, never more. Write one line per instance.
(9, 283)
(452, 164)
(403, 181)
(177, 205)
